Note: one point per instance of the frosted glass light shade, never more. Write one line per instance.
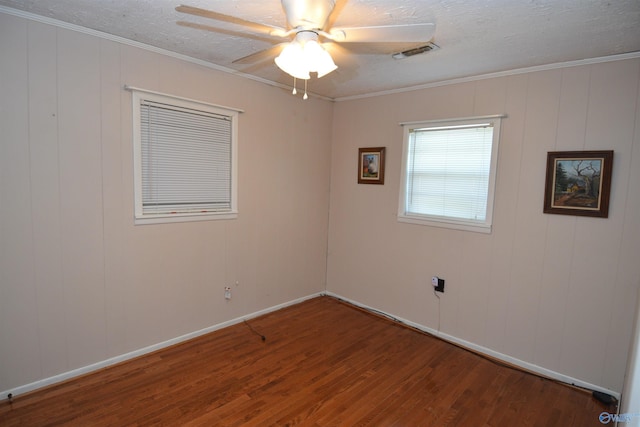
(299, 60)
(325, 64)
(291, 61)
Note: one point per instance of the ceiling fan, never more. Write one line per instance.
(309, 27)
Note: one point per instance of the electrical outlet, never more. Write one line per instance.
(227, 293)
(438, 284)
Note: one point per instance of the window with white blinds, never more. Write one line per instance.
(185, 158)
(448, 173)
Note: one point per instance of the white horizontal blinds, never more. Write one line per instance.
(186, 159)
(448, 171)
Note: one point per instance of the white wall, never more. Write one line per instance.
(552, 291)
(79, 283)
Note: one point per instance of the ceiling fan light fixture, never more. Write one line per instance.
(311, 52)
(305, 55)
(308, 22)
(317, 59)
(290, 61)
(324, 63)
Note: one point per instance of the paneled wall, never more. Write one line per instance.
(552, 291)
(79, 283)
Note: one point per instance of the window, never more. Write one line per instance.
(185, 159)
(448, 173)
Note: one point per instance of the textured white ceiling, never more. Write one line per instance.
(475, 36)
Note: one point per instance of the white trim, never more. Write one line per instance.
(133, 43)
(506, 73)
(138, 96)
(548, 373)
(118, 39)
(444, 221)
(149, 349)
(195, 101)
(16, 391)
(183, 217)
(456, 119)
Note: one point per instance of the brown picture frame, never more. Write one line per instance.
(371, 165)
(578, 183)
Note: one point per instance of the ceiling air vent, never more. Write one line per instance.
(415, 51)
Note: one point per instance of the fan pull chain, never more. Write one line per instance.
(295, 91)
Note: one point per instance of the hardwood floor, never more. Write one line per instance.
(323, 363)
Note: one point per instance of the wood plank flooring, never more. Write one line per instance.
(323, 363)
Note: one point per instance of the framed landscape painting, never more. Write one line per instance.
(578, 183)
(371, 165)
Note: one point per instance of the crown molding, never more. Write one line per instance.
(546, 67)
(122, 40)
(125, 41)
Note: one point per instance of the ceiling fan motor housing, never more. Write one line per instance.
(307, 14)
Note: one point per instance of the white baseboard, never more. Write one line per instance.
(463, 343)
(486, 351)
(127, 356)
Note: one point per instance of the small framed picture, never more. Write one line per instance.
(371, 165)
(578, 183)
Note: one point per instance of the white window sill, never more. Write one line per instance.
(445, 223)
(186, 217)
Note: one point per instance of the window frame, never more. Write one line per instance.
(443, 221)
(140, 217)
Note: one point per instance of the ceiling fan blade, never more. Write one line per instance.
(386, 34)
(331, 19)
(223, 31)
(262, 55)
(261, 28)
